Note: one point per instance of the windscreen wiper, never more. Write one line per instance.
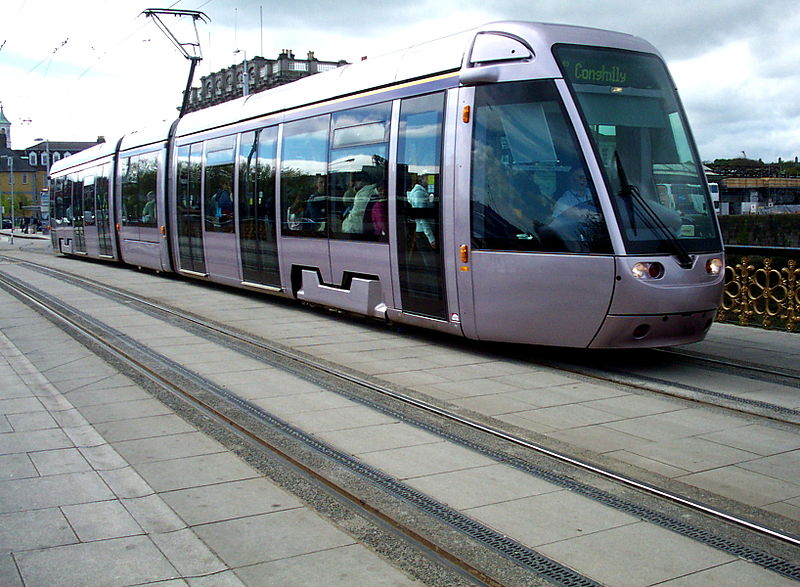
(629, 193)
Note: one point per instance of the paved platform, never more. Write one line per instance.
(138, 496)
(99, 480)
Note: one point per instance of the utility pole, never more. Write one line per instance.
(11, 189)
(189, 49)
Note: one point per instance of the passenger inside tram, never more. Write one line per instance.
(354, 214)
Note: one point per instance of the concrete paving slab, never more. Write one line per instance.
(785, 466)
(103, 458)
(162, 448)
(101, 394)
(273, 536)
(187, 553)
(638, 554)
(42, 492)
(339, 419)
(550, 517)
(678, 424)
(601, 439)
(16, 442)
(193, 471)
(377, 438)
(59, 461)
(735, 573)
(632, 405)
(32, 529)
(123, 561)
(693, 454)
(16, 466)
(153, 515)
(226, 501)
(425, 459)
(9, 575)
(114, 412)
(568, 416)
(163, 425)
(340, 567)
(471, 488)
(5, 425)
(20, 405)
(101, 520)
(743, 485)
(475, 388)
(648, 464)
(31, 421)
(126, 483)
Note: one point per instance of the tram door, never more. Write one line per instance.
(523, 268)
(256, 201)
(418, 206)
(78, 213)
(219, 227)
(191, 257)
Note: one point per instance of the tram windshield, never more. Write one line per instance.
(652, 171)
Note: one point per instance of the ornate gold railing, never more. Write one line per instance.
(762, 288)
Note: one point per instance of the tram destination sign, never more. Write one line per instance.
(582, 65)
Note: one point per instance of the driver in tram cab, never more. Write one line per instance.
(576, 218)
(576, 195)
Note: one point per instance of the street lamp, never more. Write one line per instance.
(245, 73)
(11, 188)
(46, 182)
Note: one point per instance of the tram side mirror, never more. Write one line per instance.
(488, 50)
(479, 75)
(491, 47)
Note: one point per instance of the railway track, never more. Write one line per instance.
(707, 524)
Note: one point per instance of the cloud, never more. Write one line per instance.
(734, 60)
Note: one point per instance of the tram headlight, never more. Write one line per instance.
(653, 270)
(714, 266)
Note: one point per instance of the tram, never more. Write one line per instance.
(519, 182)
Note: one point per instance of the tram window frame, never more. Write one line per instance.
(304, 145)
(518, 205)
(219, 163)
(89, 179)
(358, 198)
(58, 209)
(139, 178)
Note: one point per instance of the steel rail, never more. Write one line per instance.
(468, 422)
(209, 411)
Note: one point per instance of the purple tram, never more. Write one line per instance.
(519, 182)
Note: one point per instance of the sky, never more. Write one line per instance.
(74, 70)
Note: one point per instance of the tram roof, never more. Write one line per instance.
(426, 59)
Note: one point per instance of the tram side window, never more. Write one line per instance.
(88, 211)
(530, 188)
(75, 211)
(101, 195)
(217, 195)
(189, 169)
(358, 173)
(139, 184)
(304, 179)
(58, 214)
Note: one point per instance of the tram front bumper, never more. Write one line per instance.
(653, 330)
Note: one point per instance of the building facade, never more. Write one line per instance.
(262, 74)
(23, 172)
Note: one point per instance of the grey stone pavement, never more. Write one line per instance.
(102, 485)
